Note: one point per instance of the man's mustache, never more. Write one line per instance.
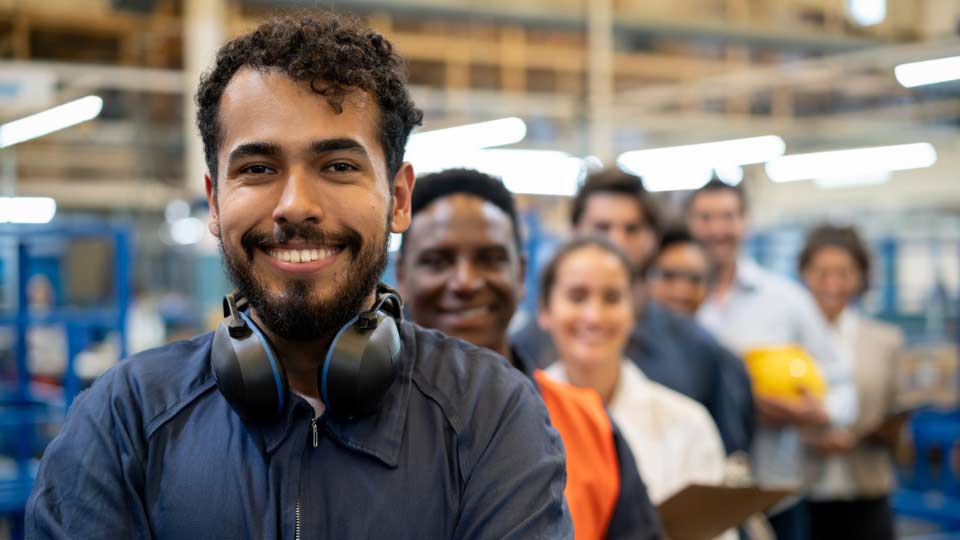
(285, 232)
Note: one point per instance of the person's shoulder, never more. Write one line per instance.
(155, 381)
(571, 401)
(689, 332)
(878, 331)
(680, 407)
(778, 283)
(461, 378)
(784, 292)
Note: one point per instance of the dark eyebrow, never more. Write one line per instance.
(333, 145)
(254, 149)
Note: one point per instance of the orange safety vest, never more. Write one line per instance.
(593, 470)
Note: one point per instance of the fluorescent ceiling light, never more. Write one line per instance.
(867, 12)
(176, 210)
(928, 71)
(854, 181)
(469, 137)
(678, 177)
(534, 172)
(706, 155)
(731, 175)
(689, 177)
(854, 163)
(187, 231)
(27, 209)
(674, 182)
(50, 120)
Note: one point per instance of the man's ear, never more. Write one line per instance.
(403, 183)
(214, 222)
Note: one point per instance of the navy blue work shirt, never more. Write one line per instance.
(678, 353)
(462, 448)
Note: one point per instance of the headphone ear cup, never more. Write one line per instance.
(360, 366)
(248, 373)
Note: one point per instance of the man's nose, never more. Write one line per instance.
(299, 201)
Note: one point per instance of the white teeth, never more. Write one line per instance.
(301, 255)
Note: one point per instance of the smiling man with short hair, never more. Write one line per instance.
(304, 123)
(461, 266)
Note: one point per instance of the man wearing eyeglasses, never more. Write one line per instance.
(679, 273)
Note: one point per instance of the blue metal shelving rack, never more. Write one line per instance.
(23, 414)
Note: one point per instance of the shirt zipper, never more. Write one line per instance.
(316, 442)
(296, 528)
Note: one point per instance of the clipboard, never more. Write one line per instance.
(701, 512)
(928, 376)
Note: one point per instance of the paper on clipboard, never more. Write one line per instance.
(700, 512)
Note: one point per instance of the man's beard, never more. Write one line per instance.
(293, 314)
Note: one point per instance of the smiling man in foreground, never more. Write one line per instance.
(313, 411)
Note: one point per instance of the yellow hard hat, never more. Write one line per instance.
(781, 372)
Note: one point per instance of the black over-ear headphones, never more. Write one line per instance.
(359, 368)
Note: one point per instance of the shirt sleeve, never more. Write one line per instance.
(733, 407)
(514, 490)
(705, 456)
(634, 517)
(841, 399)
(91, 476)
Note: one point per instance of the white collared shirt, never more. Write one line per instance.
(764, 309)
(672, 437)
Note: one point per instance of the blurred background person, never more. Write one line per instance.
(587, 309)
(852, 472)
(679, 272)
(670, 349)
(461, 272)
(750, 308)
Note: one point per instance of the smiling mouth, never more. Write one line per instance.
(472, 312)
(303, 255)
(467, 315)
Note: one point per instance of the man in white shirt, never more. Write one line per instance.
(750, 308)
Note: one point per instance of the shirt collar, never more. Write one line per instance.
(748, 274)
(379, 435)
(846, 322)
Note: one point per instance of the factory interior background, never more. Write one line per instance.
(104, 246)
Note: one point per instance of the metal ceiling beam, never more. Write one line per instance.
(796, 75)
(553, 15)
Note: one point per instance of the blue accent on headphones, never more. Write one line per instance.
(274, 364)
(357, 371)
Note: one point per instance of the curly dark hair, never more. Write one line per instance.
(335, 54)
(843, 237)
